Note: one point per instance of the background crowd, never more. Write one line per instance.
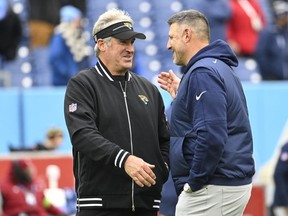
(34, 38)
(38, 50)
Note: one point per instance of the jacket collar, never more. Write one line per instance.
(104, 72)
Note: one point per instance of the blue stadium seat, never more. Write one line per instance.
(247, 70)
(95, 8)
(137, 9)
(42, 74)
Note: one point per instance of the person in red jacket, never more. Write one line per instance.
(243, 28)
(22, 194)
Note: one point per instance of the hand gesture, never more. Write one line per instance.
(169, 82)
(140, 171)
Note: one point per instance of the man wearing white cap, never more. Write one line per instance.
(117, 127)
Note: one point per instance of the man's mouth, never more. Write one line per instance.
(128, 57)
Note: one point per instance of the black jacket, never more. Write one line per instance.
(10, 35)
(107, 121)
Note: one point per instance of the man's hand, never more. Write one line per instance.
(140, 171)
(169, 82)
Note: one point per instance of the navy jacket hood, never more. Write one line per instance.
(213, 50)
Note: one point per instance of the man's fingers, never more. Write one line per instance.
(146, 180)
(145, 176)
(140, 171)
(163, 87)
(139, 183)
(165, 79)
(148, 170)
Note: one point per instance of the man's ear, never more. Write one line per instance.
(187, 34)
(101, 45)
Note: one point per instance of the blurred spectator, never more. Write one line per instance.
(10, 32)
(243, 30)
(23, 194)
(272, 50)
(68, 50)
(43, 17)
(244, 26)
(1, 203)
(217, 12)
(54, 138)
(280, 203)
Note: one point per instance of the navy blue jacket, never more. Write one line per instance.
(211, 138)
(272, 53)
(281, 178)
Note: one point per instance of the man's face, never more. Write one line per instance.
(118, 55)
(177, 44)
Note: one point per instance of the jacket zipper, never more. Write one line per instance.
(131, 142)
(78, 173)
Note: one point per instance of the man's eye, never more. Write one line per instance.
(127, 41)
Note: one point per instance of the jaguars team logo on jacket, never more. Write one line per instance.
(144, 99)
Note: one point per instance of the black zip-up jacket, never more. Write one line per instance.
(109, 120)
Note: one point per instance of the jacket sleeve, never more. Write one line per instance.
(209, 122)
(81, 120)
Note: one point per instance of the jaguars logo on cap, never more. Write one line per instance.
(128, 25)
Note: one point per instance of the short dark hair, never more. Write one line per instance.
(195, 20)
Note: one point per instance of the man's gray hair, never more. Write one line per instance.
(109, 18)
(195, 20)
